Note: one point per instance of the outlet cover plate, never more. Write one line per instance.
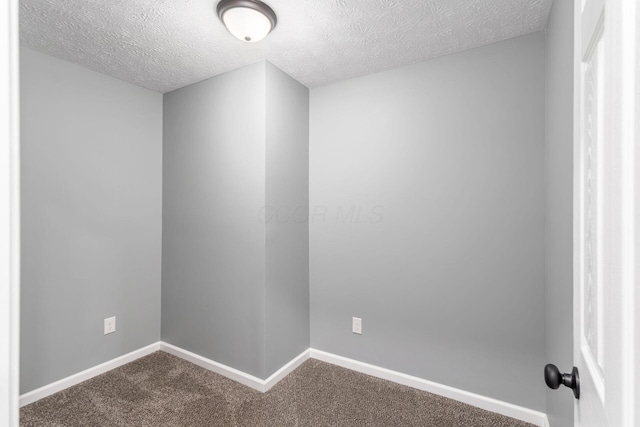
(110, 325)
(356, 325)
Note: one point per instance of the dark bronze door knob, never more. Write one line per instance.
(554, 379)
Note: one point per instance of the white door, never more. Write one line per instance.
(606, 164)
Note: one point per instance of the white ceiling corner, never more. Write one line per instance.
(167, 44)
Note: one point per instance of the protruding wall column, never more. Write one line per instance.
(235, 280)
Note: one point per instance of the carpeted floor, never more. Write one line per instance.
(163, 390)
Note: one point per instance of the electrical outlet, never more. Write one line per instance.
(110, 325)
(356, 325)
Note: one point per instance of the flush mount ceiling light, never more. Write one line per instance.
(248, 20)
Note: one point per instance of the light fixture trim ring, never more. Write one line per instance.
(257, 5)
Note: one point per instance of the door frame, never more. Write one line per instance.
(9, 214)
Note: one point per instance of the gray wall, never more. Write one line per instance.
(559, 204)
(235, 278)
(427, 198)
(287, 228)
(91, 217)
(213, 247)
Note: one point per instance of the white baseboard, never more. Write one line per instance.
(234, 374)
(72, 380)
(518, 412)
(286, 369)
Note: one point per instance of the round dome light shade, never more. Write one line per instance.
(248, 20)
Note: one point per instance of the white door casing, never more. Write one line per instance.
(9, 214)
(605, 234)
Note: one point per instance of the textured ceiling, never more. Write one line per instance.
(166, 44)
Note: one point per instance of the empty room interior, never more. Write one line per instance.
(296, 213)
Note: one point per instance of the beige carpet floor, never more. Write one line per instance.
(163, 390)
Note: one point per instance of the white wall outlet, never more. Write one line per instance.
(110, 325)
(356, 325)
